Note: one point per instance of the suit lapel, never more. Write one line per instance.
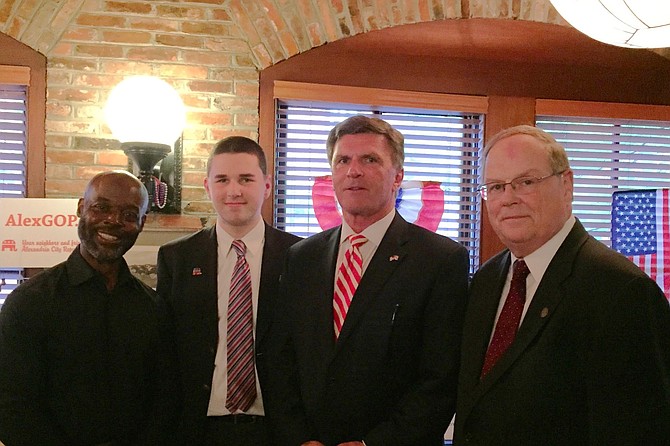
(327, 259)
(389, 255)
(270, 270)
(202, 283)
(545, 301)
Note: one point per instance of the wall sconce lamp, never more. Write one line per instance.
(625, 23)
(148, 117)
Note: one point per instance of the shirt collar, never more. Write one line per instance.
(539, 260)
(252, 239)
(79, 270)
(374, 233)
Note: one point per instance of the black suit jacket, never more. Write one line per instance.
(187, 280)
(391, 377)
(590, 363)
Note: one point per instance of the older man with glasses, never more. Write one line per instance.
(565, 341)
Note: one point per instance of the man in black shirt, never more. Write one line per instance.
(84, 351)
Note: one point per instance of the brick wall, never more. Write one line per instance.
(211, 51)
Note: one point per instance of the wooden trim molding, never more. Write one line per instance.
(12, 75)
(379, 96)
(586, 109)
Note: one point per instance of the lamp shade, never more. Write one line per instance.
(145, 109)
(625, 23)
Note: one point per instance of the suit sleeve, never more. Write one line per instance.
(629, 368)
(429, 404)
(24, 412)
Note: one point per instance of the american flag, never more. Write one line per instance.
(641, 231)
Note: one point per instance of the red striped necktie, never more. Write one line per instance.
(240, 337)
(347, 279)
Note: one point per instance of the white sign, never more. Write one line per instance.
(37, 232)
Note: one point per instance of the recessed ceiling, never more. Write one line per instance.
(500, 40)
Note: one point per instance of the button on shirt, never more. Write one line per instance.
(227, 257)
(537, 262)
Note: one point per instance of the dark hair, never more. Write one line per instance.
(239, 144)
(364, 124)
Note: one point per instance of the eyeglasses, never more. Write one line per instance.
(520, 186)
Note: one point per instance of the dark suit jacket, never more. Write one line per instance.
(391, 377)
(187, 273)
(590, 363)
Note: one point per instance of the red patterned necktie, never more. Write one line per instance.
(240, 338)
(508, 321)
(346, 282)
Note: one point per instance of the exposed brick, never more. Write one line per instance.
(205, 28)
(98, 144)
(193, 101)
(235, 103)
(246, 119)
(59, 171)
(180, 12)
(228, 45)
(126, 67)
(5, 9)
(126, 36)
(193, 193)
(153, 24)
(69, 63)
(57, 142)
(220, 14)
(102, 50)
(153, 54)
(81, 34)
(73, 95)
(89, 172)
(179, 40)
(71, 127)
(193, 178)
(211, 87)
(131, 7)
(182, 71)
(73, 188)
(218, 134)
(69, 157)
(98, 20)
(211, 119)
(89, 111)
(58, 110)
(62, 49)
(112, 158)
(59, 78)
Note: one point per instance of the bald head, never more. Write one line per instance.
(119, 179)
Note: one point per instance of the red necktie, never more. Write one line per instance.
(240, 337)
(348, 276)
(508, 321)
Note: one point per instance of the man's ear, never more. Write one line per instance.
(80, 207)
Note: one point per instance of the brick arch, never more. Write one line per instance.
(277, 33)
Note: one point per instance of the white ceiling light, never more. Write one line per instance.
(626, 23)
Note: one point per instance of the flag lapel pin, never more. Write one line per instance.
(393, 258)
(196, 272)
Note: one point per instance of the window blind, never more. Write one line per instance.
(607, 155)
(12, 162)
(440, 146)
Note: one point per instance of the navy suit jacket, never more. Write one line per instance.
(590, 364)
(187, 280)
(390, 378)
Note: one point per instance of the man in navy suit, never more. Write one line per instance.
(380, 371)
(590, 361)
(194, 277)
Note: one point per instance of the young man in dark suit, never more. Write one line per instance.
(371, 363)
(590, 361)
(221, 285)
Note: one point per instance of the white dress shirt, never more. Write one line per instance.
(227, 257)
(537, 263)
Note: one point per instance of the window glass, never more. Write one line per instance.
(441, 151)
